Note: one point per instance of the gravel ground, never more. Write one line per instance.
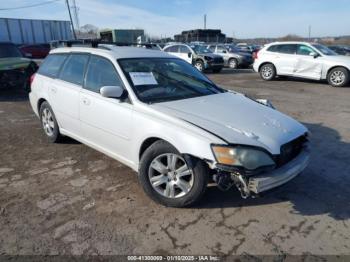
(69, 199)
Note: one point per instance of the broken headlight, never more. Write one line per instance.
(246, 157)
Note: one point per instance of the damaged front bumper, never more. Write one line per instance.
(280, 176)
(255, 184)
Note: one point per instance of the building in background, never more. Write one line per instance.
(121, 35)
(30, 31)
(201, 35)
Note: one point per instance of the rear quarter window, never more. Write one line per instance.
(52, 65)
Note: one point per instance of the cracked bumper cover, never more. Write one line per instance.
(280, 176)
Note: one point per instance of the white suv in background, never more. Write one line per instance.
(167, 121)
(305, 60)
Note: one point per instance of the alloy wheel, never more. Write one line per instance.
(337, 78)
(48, 122)
(266, 72)
(199, 66)
(170, 176)
(233, 64)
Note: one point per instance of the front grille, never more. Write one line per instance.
(290, 150)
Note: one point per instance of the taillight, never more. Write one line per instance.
(255, 54)
(31, 79)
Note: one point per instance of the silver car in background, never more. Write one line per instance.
(232, 58)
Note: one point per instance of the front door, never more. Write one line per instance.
(307, 65)
(106, 122)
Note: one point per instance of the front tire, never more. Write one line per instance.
(199, 65)
(49, 123)
(169, 179)
(338, 77)
(268, 72)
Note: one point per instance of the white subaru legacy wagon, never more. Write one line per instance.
(167, 121)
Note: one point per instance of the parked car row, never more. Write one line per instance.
(211, 57)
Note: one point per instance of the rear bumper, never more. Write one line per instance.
(280, 176)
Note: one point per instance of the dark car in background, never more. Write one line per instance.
(35, 51)
(15, 69)
(197, 55)
(341, 50)
(232, 58)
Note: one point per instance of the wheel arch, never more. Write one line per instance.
(336, 66)
(40, 102)
(264, 63)
(147, 143)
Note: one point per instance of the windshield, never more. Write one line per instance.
(166, 79)
(324, 50)
(200, 49)
(9, 51)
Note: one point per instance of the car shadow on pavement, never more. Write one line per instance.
(323, 188)
(228, 71)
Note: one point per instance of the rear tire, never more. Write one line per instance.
(338, 77)
(157, 174)
(268, 72)
(233, 63)
(49, 123)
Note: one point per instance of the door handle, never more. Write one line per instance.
(86, 101)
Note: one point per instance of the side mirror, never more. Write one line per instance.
(224, 51)
(112, 91)
(189, 55)
(313, 54)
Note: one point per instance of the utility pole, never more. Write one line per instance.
(309, 33)
(71, 21)
(205, 21)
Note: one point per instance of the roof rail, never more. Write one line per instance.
(94, 43)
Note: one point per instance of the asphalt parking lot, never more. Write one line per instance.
(69, 199)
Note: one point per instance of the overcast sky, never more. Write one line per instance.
(241, 18)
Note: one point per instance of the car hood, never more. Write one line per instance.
(338, 58)
(236, 119)
(10, 63)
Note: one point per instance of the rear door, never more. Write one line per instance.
(105, 122)
(64, 92)
(307, 66)
(284, 58)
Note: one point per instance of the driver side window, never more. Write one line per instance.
(304, 50)
(100, 72)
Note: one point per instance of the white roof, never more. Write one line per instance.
(291, 42)
(116, 52)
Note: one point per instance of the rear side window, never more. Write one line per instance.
(172, 49)
(73, 69)
(100, 72)
(52, 64)
(284, 49)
